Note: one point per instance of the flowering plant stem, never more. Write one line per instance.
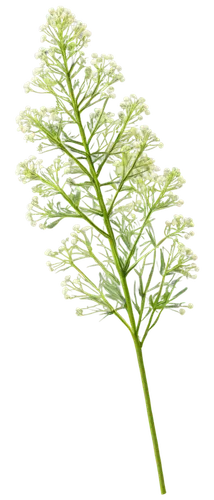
(108, 234)
(150, 414)
(140, 355)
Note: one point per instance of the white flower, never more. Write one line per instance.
(54, 117)
(61, 24)
(79, 312)
(75, 287)
(74, 247)
(109, 68)
(94, 62)
(179, 226)
(153, 140)
(136, 144)
(26, 169)
(28, 120)
(183, 261)
(137, 105)
(38, 80)
(94, 73)
(183, 309)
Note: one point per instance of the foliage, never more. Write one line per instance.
(103, 175)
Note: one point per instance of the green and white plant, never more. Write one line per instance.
(104, 177)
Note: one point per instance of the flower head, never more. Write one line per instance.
(179, 226)
(134, 108)
(182, 262)
(34, 123)
(74, 248)
(61, 24)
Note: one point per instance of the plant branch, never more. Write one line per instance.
(136, 242)
(124, 180)
(146, 290)
(112, 241)
(114, 143)
(113, 310)
(142, 256)
(150, 415)
(66, 197)
(61, 146)
(87, 104)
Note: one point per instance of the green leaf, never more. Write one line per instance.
(76, 198)
(161, 259)
(112, 288)
(53, 224)
(179, 293)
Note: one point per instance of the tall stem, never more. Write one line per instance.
(122, 275)
(150, 414)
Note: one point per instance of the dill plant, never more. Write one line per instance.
(104, 178)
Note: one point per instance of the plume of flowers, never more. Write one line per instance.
(103, 177)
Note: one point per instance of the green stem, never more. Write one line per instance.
(150, 414)
(122, 276)
(98, 122)
(82, 214)
(136, 241)
(93, 95)
(138, 261)
(140, 258)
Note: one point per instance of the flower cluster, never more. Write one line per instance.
(73, 248)
(134, 186)
(60, 20)
(141, 138)
(106, 66)
(83, 243)
(103, 126)
(132, 105)
(185, 265)
(160, 186)
(145, 163)
(32, 121)
(118, 203)
(111, 124)
(179, 224)
(81, 287)
(45, 177)
(46, 214)
(41, 74)
(103, 68)
(103, 72)
(29, 169)
(55, 184)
